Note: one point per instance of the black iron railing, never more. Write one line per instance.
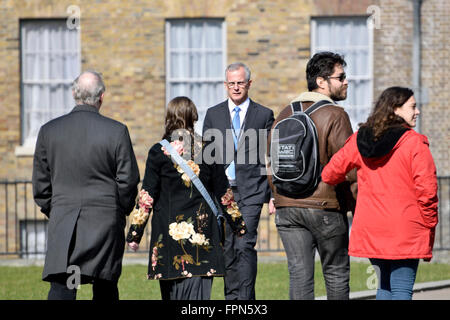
(23, 228)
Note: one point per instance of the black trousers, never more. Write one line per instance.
(240, 255)
(103, 290)
(195, 288)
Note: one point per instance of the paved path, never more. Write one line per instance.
(438, 294)
(434, 290)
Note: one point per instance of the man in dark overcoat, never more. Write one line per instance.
(85, 179)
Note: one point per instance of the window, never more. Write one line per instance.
(50, 57)
(351, 37)
(195, 62)
(33, 238)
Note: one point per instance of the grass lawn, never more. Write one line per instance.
(24, 283)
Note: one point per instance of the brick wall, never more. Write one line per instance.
(125, 41)
(435, 78)
(393, 45)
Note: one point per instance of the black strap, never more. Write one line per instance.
(298, 107)
(316, 106)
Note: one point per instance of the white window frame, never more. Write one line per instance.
(169, 50)
(369, 76)
(27, 148)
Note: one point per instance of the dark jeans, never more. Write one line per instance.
(302, 231)
(240, 255)
(395, 278)
(103, 290)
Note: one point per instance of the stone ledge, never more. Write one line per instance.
(24, 151)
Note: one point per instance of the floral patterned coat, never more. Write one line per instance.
(185, 238)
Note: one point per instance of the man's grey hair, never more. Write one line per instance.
(88, 91)
(236, 66)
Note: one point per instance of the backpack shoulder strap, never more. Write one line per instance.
(296, 107)
(317, 105)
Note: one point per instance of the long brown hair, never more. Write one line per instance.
(383, 117)
(181, 114)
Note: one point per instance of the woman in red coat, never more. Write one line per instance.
(396, 209)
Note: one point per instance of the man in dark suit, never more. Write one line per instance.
(243, 125)
(85, 179)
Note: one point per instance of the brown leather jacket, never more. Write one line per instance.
(333, 129)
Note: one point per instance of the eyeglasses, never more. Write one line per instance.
(341, 78)
(240, 84)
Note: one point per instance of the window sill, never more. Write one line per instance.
(24, 151)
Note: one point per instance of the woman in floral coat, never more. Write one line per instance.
(185, 247)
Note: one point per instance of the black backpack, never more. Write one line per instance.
(294, 153)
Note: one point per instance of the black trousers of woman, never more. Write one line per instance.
(195, 288)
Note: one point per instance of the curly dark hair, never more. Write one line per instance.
(322, 65)
(383, 117)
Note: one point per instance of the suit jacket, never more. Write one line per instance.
(85, 179)
(251, 178)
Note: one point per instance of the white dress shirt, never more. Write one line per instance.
(244, 107)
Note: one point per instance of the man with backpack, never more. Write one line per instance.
(310, 214)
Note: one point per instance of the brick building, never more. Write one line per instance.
(150, 51)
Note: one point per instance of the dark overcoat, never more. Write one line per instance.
(85, 179)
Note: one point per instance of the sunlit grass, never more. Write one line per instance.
(272, 282)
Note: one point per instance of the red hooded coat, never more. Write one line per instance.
(396, 207)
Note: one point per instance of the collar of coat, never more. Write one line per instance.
(85, 107)
(313, 96)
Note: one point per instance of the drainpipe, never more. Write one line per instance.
(417, 59)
